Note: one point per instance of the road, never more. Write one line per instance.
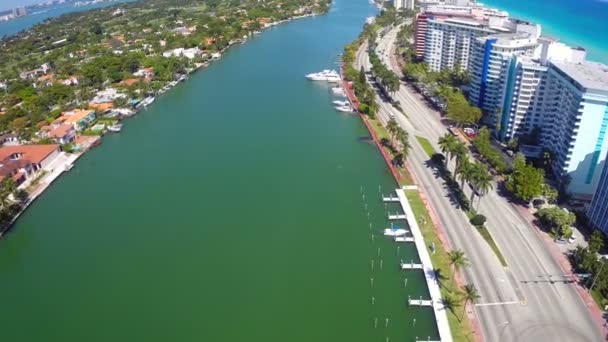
(521, 302)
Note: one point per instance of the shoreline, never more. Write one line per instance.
(47, 179)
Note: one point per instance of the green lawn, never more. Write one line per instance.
(406, 178)
(490, 240)
(461, 330)
(426, 145)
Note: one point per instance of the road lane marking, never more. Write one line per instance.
(498, 303)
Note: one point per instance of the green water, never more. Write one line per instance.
(231, 210)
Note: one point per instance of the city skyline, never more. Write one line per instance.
(10, 4)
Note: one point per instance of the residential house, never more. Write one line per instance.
(61, 133)
(21, 162)
(10, 139)
(78, 118)
(147, 73)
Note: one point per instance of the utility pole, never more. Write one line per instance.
(597, 275)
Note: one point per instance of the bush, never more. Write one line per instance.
(478, 220)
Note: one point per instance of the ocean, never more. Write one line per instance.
(574, 22)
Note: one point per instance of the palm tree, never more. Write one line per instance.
(446, 144)
(481, 180)
(460, 152)
(470, 294)
(450, 303)
(392, 126)
(464, 172)
(457, 260)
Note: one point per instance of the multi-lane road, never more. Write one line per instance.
(525, 301)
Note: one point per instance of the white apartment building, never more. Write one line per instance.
(575, 121)
(493, 70)
(526, 84)
(525, 90)
(448, 42)
(404, 4)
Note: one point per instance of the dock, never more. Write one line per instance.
(432, 282)
(397, 217)
(404, 239)
(412, 266)
(419, 302)
(390, 198)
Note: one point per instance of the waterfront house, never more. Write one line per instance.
(60, 133)
(9, 139)
(78, 118)
(21, 162)
(144, 72)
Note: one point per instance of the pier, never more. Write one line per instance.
(404, 239)
(397, 217)
(429, 273)
(419, 302)
(390, 198)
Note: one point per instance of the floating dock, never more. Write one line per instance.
(420, 302)
(397, 217)
(404, 239)
(412, 266)
(390, 198)
(429, 273)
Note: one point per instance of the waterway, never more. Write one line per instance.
(11, 27)
(233, 209)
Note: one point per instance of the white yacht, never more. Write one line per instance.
(115, 128)
(148, 101)
(341, 103)
(324, 75)
(346, 109)
(338, 91)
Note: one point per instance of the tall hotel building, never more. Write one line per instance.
(575, 122)
(494, 69)
(598, 212)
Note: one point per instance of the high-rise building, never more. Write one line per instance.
(575, 123)
(598, 212)
(404, 4)
(448, 42)
(524, 93)
(494, 69)
(19, 11)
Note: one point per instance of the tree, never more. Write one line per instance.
(481, 180)
(446, 144)
(470, 294)
(526, 181)
(450, 302)
(464, 172)
(460, 152)
(478, 220)
(457, 260)
(558, 219)
(596, 241)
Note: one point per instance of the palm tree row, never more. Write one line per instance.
(476, 174)
(400, 137)
(469, 293)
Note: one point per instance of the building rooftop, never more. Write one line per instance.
(590, 75)
(32, 153)
(75, 115)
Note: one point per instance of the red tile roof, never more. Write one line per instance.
(32, 153)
